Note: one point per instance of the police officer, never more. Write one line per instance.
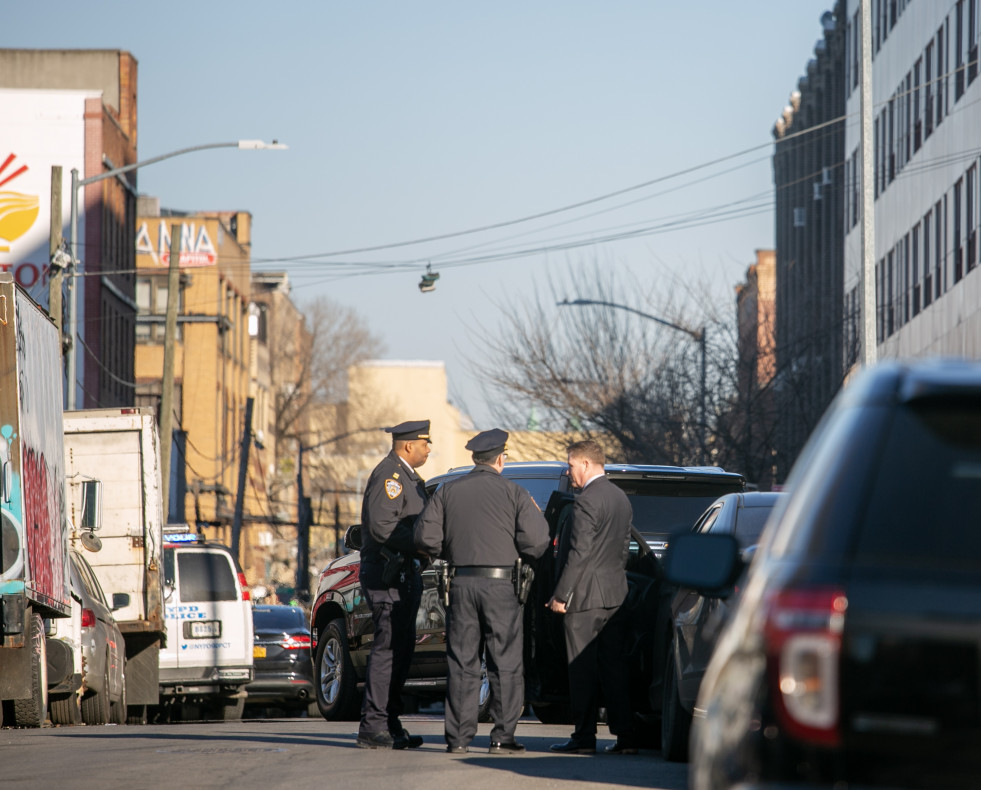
(390, 581)
(481, 523)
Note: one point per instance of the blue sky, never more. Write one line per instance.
(409, 120)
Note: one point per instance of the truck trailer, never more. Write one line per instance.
(112, 460)
(34, 571)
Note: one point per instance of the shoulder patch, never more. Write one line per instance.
(393, 488)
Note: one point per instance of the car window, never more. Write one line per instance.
(540, 488)
(710, 518)
(749, 524)
(286, 618)
(89, 581)
(667, 507)
(936, 447)
(205, 576)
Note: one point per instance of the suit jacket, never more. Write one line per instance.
(593, 549)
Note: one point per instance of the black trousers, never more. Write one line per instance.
(483, 613)
(595, 641)
(393, 613)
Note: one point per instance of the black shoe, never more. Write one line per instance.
(505, 747)
(404, 740)
(457, 749)
(622, 746)
(573, 746)
(376, 740)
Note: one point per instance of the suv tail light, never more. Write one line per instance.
(296, 642)
(803, 637)
(246, 595)
(88, 618)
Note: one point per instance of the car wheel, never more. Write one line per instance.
(137, 714)
(333, 675)
(64, 710)
(552, 713)
(33, 710)
(117, 710)
(484, 700)
(231, 709)
(95, 706)
(675, 720)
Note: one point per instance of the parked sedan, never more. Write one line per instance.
(283, 669)
(853, 654)
(698, 619)
(103, 699)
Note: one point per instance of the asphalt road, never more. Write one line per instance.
(301, 753)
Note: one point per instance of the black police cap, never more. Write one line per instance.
(494, 440)
(409, 430)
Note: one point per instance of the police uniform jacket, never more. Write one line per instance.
(482, 518)
(594, 547)
(393, 497)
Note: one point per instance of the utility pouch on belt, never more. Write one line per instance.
(522, 576)
(392, 569)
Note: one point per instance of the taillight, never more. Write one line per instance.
(296, 642)
(803, 638)
(246, 595)
(88, 618)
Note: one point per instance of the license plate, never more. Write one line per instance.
(259, 651)
(205, 629)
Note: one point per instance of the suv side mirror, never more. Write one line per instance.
(352, 538)
(119, 600)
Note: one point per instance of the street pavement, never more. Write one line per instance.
(301, 753)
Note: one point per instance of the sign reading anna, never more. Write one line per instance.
(196, 248)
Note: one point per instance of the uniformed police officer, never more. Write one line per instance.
(481, 523)
(390, 581)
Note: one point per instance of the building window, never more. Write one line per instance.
(959, 50)
(917, 118)
(972, 41)
(970, 206)
(941, 75)
(800, 217)
(916, 269)
(927, 272)
(928, 86)
(151, 301)
(958, 249)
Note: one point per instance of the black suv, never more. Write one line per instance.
(666, 500)
(853, 654)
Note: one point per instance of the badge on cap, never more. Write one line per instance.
(393, 488)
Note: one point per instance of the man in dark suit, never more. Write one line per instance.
(390, 581)
(591, 588)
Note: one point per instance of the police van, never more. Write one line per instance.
(208, 658)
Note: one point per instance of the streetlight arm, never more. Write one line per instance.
(251, 145)
(695, 333)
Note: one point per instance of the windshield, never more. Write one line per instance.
(285, 618)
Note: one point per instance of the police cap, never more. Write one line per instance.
(493, 441)
(409, 430)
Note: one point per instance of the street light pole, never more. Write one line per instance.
(77, 184)
(699, 335)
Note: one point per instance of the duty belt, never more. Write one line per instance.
(484, 571)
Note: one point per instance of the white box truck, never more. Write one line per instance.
(112, 463)
(34, 570)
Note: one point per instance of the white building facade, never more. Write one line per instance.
(927, 106)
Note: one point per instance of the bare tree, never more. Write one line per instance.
(607, 371)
